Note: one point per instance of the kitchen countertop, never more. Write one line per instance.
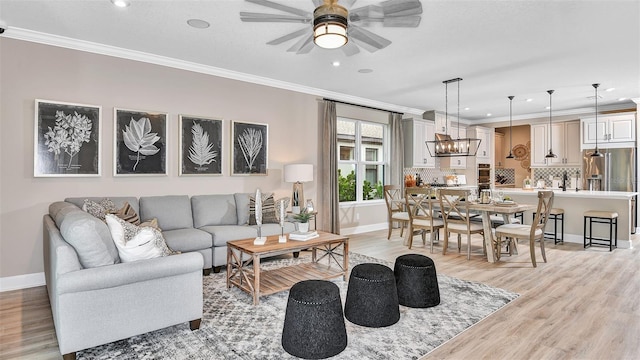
(617, 195)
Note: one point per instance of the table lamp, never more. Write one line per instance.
(297, 174)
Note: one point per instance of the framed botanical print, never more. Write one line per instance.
(249, 148)
(140, 143)
(200, 145)
(67, 139)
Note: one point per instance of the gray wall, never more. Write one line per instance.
(30, 71)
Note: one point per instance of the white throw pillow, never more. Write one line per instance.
(134, 242)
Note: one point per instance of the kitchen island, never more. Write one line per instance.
(575, 203)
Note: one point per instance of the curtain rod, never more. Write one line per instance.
(363, 106)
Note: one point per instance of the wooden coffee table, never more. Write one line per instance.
(243, 263)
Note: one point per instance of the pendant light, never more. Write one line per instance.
(596, 153)
(550, 154)
(510, 156)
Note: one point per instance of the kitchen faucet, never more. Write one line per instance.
(564, 181)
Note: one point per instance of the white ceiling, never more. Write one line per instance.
(500, 48)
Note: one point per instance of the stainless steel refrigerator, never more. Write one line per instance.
(615, 171)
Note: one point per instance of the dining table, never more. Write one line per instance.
(503, 208)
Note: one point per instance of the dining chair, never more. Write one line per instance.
(421, 215)
(395, 208)
(454, 208)
(532, 232)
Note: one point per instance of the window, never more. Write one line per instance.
(361, 166)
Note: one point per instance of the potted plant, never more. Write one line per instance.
(303, 218)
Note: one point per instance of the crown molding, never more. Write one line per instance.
(108, 50)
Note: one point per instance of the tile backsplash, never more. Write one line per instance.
(544, 173)
(429, 176)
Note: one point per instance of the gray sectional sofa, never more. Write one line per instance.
(96, 299)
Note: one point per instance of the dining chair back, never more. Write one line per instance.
(395, 208)
(454, 206)
(422, 216)
(532, 232)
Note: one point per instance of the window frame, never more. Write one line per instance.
(360, 153)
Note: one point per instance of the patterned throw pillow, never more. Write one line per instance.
(129, 215)
(99, 209)
(268, 210)
(136, 242)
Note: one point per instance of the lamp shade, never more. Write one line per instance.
(298, 173)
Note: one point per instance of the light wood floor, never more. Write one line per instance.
(582, 304)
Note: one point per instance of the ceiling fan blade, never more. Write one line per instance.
(303, 45)
(374, 42)
(280, 7)
(288, 37)
(317, 3)
(260, 17)
(402, 21)
(350, 48)
(401, 7)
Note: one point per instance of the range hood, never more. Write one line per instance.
(445, 146)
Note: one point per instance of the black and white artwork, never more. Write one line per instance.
(200, 146)
(140, 143)
(67, 139)
(249, 148)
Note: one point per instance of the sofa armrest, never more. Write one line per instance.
(128, 273)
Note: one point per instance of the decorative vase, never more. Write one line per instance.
(303, 227)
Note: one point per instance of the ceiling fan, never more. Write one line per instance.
(389, 13)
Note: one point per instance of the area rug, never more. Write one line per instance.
(232, 328)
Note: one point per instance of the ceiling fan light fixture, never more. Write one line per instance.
(330, 25)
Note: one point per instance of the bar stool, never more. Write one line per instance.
(601, 217)
(556, 215)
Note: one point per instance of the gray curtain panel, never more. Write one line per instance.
(396, 144)
(329, 211)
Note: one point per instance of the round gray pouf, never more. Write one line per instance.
(372, 298)
(314, 322)
(416, 281)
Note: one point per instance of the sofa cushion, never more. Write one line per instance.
(134, 242)
(60, 209)
(274, 229)
(91, 239)
(214, 210)
(172, 211)
(223, 233)
(242, 207)
(187, 239)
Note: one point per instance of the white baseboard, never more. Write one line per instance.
(363, 229)
(21, 282)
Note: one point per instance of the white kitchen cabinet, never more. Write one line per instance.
(564, 144)
(455, 162)
(485, 150)
(498, 151)
(416, 132)
(611, 129)
(440, 121)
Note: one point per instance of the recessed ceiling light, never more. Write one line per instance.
(489, 114)
(198, 24)
(121, 3)
(529, 100)
(467, 109)
(609, 89)
(336, 63)
(547, 107)
(365, 71)
(622, 99)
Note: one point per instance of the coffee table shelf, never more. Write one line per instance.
(330, 259)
